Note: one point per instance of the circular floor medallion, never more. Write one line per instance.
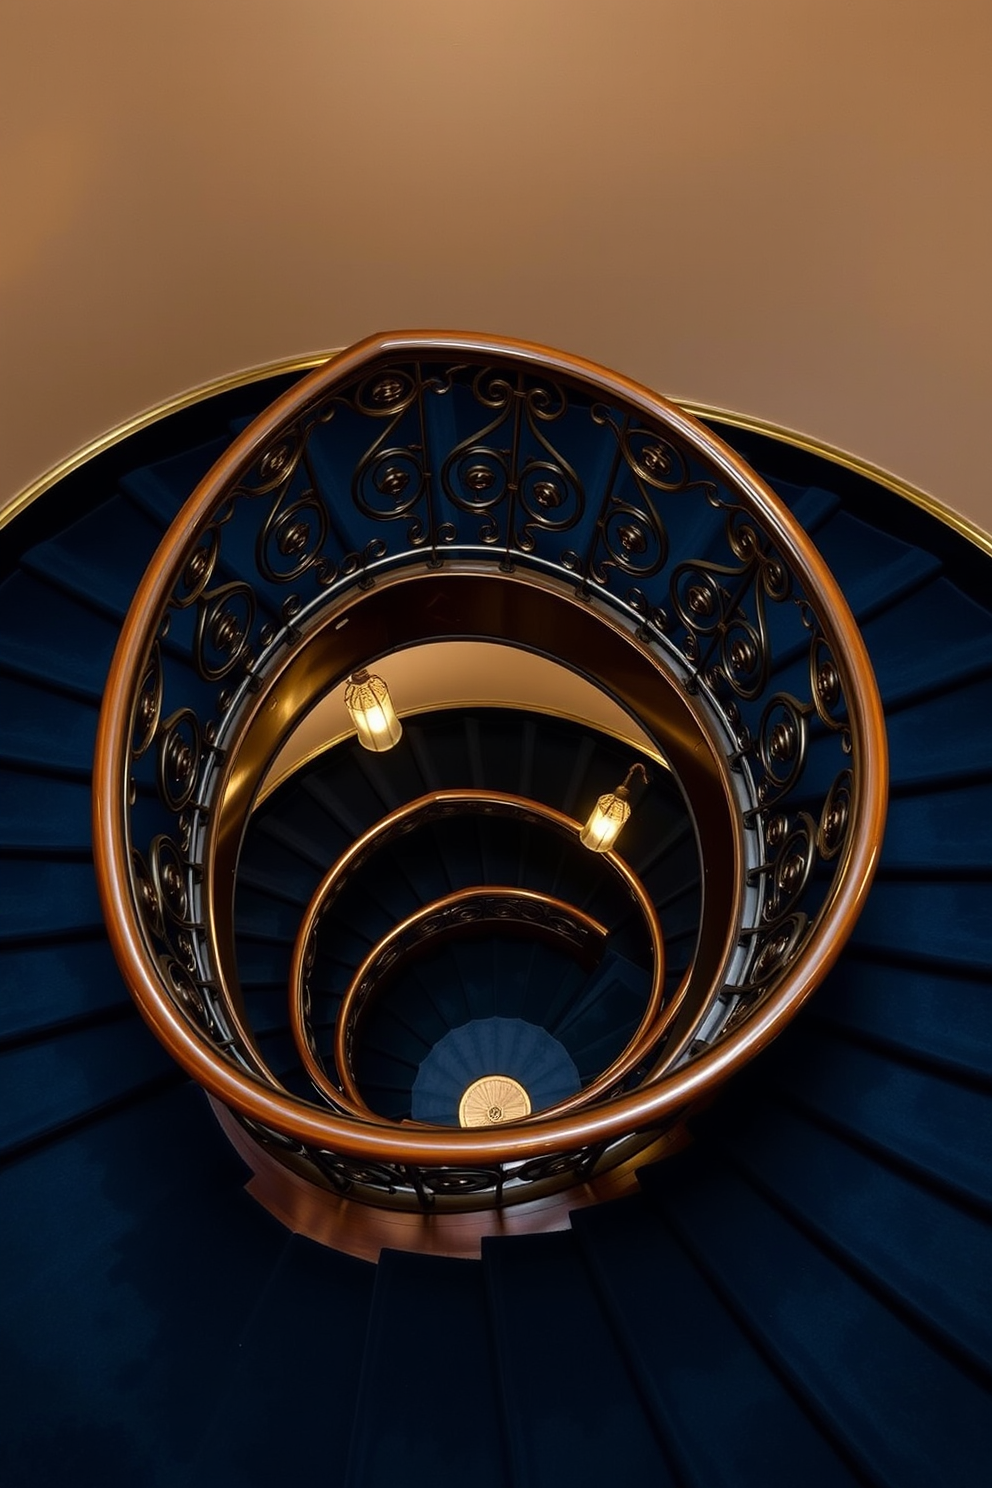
(492, 1100)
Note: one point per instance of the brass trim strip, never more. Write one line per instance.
(962, 525)
(154, 415)
(935, 508)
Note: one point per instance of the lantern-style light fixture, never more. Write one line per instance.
(610, 813)
(367, 699)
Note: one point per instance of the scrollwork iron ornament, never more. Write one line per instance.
(453, 450)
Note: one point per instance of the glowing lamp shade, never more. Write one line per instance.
(605, 820)
(367, 699)
(611, 811)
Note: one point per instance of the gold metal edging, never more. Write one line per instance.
(963, 526)
(153, 415)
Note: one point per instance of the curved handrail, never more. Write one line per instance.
(464, 911)
(790, 958)
(433, 806)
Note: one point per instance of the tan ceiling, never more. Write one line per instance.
(780, 207)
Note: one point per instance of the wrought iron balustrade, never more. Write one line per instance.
(423, 457)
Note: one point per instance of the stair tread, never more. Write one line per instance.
(38, 727)
(101, 1295)
(62, 1078)
(941, 831)
(939, 1127)
(923, 748)
(64, 642)
(940, 923)
(428, 1333)
(906, 1414)
(51, 984)
(940, 1018)
(39, 811)
(692, 1358)
(926, 1254)
(314, 1307)
(571, 1408)
(39, 899)
(85, 557)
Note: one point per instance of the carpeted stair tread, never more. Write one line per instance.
(878, 568)
(38, 727)
(427, 1342)
(935, 637)
(394, 1032)
(947, 831)
(941, 739)
(266, 1007)
(928, 1256)
(162, 489)
(491, 1046)
(524, 977)
(908, 1416)
(351, 804)
(39, 812)
(63, 642)
(42, 898)
(297, 1361)
(615, 993)
(57, 1080)
(270, 865)
(295, 826)
(571, 1407)
(85, 558)
(812, 506)
(692, 1357)
(941, 924)
(263, 963)
(105, 1289)
(414, 1020)
(941, 1018)
(147, 1140)
(376, 1068)
(49, 985)
(261, 915)
(879, 572)
(938, 1127)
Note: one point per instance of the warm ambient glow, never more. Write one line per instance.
(607, 817)
(367, 699)
(610, 813)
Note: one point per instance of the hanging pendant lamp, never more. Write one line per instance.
(367, 699)
(610, 813)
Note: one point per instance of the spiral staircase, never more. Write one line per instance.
(784, 1276)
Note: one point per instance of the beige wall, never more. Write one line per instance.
(779, 206)
(461, 674)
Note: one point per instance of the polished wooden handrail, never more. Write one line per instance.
(652, 1026)
(388, 954)
(640, 1110)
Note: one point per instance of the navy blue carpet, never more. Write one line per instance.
(801, 1297)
